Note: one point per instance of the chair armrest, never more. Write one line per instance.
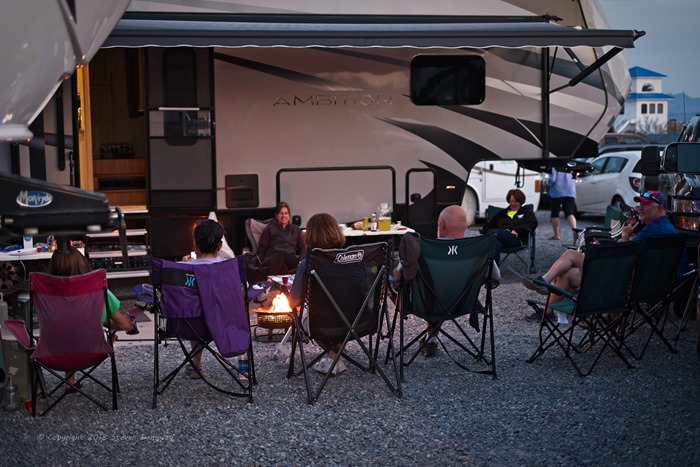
(19, 330)
(554, 289)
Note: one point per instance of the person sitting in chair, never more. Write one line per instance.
(281, 243)
(511, 225)
(452, 223)
(208, 239)
(322, 231)
(565, 273)
(70, 262)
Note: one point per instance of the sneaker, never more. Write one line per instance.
(324, 366)
(428, 348)
(530, 284)
(535, 317)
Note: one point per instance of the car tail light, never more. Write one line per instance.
(537, 186)
(635, 183)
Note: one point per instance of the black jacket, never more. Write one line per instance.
(523, 221)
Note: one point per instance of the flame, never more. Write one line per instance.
(280, 304)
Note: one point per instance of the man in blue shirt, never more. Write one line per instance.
(565, 273)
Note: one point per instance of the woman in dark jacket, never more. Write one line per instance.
(511, 225)
(281, 244)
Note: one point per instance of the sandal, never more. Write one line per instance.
(554, 238)
(195, 373)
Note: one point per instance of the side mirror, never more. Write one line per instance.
(681, 158)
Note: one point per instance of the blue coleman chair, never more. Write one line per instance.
(206, 303)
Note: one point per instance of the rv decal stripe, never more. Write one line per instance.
(462, 150)
(504, 122)
(303, 78)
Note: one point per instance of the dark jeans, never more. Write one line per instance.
(280, 262)
(504, 241)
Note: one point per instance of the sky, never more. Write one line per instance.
(669, 46)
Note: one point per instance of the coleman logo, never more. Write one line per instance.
(452, 250)
(34, 199)
(354, 257)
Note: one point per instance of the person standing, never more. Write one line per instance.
(562, 195)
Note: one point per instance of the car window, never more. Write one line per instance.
(598, 165)
(633, 139)
(637, 166)
(615, 165)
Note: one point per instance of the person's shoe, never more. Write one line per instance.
(324, 366)
(535, 317)
(428, 348)
(73, 389)
(530, 284)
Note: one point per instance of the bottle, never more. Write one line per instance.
(51, 243)
(11, 397)
(28, 242)
(3, 310)
(373, 222)
(243, 363)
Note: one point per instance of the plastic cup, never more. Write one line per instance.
(285, 280)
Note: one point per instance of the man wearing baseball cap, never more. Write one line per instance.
(652, 212)
(565, 273)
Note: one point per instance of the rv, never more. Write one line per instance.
(333, 107)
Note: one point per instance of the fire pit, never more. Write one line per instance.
(276, 317)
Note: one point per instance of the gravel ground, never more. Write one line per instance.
(533, 414)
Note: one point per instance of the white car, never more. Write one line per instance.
(615, 179)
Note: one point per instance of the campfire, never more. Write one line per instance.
(278, 316)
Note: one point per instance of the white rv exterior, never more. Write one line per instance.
(297, 85)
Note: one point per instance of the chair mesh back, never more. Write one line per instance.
(606, 278)
(345, 277)
(70, 319)
(204, 300)
(657, 267)
(450, 274)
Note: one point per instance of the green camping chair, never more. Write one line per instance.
(608, 232)
(445, 288)
(655, 283)
(601, 303)
(529, 246)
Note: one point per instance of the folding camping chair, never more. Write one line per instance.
(345, 293)
(72, 338)
(530, 246)
(601, 303)
(655, 283)
(446, 287)
(207, 303)
(608, 232)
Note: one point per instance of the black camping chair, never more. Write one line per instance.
(601, 303)
(345, 292)
(530, 246)
(446, 287)
(207, 303)
(654, 286)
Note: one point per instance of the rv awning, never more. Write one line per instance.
(207, 30)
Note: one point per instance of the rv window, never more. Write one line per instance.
(448, 80)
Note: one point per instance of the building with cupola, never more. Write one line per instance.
(646, 106)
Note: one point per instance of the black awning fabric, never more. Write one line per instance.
(355, 31)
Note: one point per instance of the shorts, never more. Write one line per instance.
(567, 203)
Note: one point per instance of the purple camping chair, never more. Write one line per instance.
(72, 336)
(207, 303)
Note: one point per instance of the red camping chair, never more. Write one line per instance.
(73, 338)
